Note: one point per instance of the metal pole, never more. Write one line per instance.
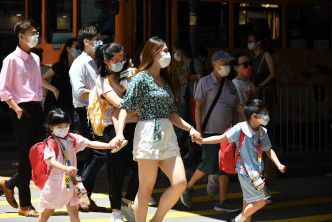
(193, 25)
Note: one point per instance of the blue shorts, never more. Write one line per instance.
(250, 194)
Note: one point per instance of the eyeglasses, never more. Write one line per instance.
(245, 64)
(77, 47)
(118, 62)
(33, 34)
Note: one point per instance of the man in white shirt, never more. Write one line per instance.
(83, 74)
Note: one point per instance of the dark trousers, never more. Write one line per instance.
(118, 164)
(12, 182)
(28, 131)
(94, 159)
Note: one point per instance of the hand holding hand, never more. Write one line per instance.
(116, 141)
(194, 134)
(282, 168)
(71, 171)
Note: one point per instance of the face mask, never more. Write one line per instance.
(96, 44)
(224, 70)
(117, 67)
(76, 53)
(247, 71)
(61, 131)
(33, 41)
(251, 46)
(264, 120)
(165, 60)
(176, 57)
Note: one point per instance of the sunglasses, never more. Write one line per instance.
(245, 64)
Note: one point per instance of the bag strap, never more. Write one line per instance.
(237, 156)
(213, 104)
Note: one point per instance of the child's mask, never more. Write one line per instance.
(61, 131)
(265, 119)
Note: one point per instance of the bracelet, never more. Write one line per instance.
(190, 129)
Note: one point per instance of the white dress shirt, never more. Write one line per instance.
(83, 73)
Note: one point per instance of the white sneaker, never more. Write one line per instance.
(128, 212)
(116, 217)
(212, 186)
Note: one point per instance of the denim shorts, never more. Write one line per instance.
(144, 146)
(250, 194)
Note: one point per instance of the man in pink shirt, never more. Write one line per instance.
(21, 89)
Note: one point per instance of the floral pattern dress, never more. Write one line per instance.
(150, 100)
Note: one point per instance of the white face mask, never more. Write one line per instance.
(33, 40)
(264, 120)
(176, 57)
(165, 60)
(61, 131)
(251, 46)
(224, 70)
(117, 67)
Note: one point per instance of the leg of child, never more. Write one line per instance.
(114, 117)
(45, 215)
(251, 208)
(73, 213)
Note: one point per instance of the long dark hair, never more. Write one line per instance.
(108, 52)
(55, 117)
(265, 43)
(64, 54)
(153, 46)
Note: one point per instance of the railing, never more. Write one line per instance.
(302, 120)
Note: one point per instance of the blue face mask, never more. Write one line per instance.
(117, 67)
(76, 53)
(97, 43)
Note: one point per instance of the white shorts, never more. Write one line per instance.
(165, 148)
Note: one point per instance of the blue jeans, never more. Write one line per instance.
(94, 159)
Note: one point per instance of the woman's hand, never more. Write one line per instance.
(71, 171)
(282, 168)
(117, 141)
(195, 135)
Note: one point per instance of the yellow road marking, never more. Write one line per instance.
(178, 214)
(323, 217)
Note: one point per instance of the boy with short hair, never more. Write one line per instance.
(249, 165)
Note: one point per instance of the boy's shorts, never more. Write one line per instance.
(166, 148)
(250, 194)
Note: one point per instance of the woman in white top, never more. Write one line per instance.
(111, 61)
(244, 87)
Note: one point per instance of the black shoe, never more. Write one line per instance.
(186, 197)
(226, 206)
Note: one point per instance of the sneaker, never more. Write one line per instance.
(187, 196)
(127, 211)
(212, 186)
(226, 206)
(152, 202)
(232, 219)
(268, 201)
(116, 217)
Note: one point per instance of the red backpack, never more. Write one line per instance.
(40, 169)
(227, 158)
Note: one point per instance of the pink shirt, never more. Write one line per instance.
(20, 77)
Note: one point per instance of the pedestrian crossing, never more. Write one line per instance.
(185, 214)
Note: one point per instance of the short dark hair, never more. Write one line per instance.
(88, 32)
(57, 116)
(23, 26)
(254, 106)
(202, 52)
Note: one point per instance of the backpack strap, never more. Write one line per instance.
(237, 156)
(53, 144)
(73, 138)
